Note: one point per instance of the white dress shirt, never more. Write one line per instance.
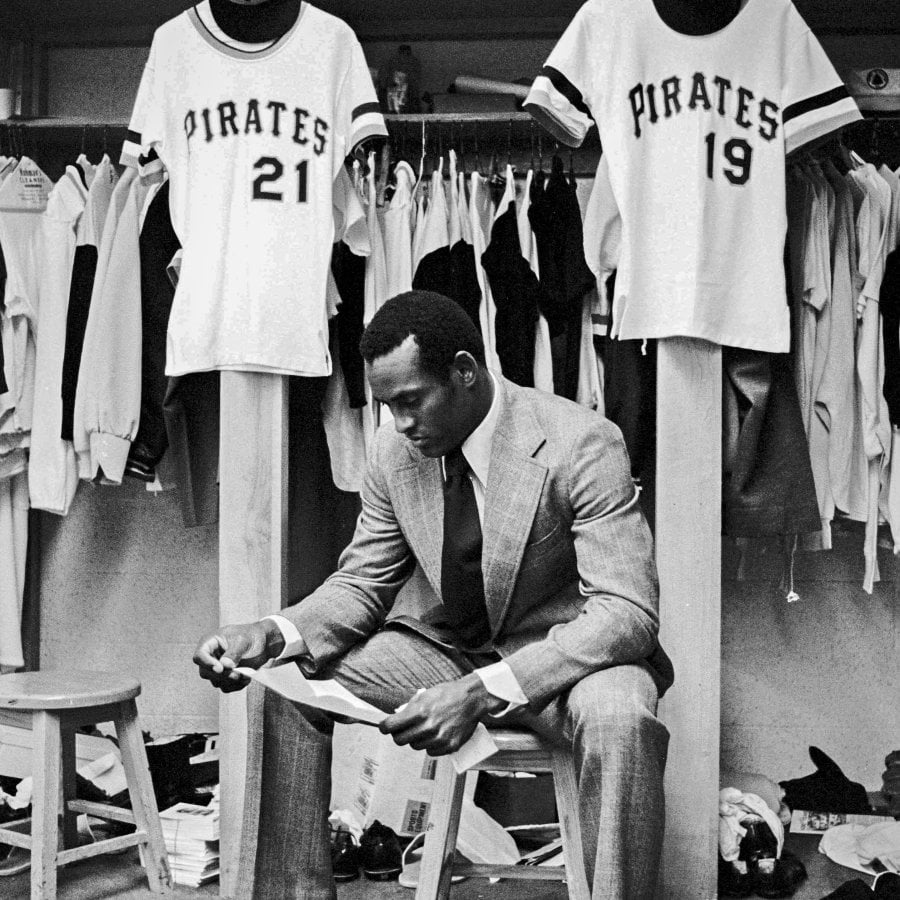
(498, 678)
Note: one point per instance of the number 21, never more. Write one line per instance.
(270, 170)
(737, 152)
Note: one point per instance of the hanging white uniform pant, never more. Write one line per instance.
(13, 546)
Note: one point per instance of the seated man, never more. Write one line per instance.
(519, 508)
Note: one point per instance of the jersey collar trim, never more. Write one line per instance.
(236, 52)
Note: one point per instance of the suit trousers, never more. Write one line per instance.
(608, 718)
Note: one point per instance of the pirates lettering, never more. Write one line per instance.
(651, 103)
(221, 121)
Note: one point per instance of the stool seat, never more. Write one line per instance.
(65, 689)
(516, 740)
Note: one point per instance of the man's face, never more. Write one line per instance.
(435, 415)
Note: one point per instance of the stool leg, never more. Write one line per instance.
(565, 785)
(68, 786)
(440, 839)
(45, 804)
(143, 801)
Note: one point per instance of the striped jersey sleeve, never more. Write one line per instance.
(815, 100)
(139, 151)
(558, 96)
(358, 109)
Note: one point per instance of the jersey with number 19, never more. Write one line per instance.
(696, 130)
(252, 140)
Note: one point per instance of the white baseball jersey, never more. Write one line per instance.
(252, 137)
(696, 129)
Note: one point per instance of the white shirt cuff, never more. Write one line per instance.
(499, 680)
(294, 645)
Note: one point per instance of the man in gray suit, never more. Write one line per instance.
(533, 540)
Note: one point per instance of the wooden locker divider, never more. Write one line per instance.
(688, 552)
(252, 559)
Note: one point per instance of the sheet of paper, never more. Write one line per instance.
(327, 694)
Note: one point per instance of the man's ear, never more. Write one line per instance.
(466, 368)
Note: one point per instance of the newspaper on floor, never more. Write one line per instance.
(332, 697)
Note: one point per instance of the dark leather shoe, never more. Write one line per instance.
(379, 853)
(856, 889)
(734, 880)
(887, 886)
(344, 857)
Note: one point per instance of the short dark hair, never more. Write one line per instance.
(440, 326)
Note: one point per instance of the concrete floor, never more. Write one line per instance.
(122, 877)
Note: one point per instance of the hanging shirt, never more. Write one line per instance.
(398, 232)
(157, 245)
(836, 399)
(13, 547)
(696, 129)
(515, 289)
(52, 473)
(108, 397)
(466, 290)
(543, 359)
(480, 216)
(434, 267)
(23, 199)
(252, 140)
(84, 271)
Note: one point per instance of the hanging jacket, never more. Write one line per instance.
(515, 289)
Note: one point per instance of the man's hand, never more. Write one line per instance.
(252, 645)
(442, 718)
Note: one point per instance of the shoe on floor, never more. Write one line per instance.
(344, 857)
(856, 889)
(379, 853)
(887, 886)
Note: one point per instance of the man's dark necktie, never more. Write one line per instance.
(462, 584)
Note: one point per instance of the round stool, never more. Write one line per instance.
(518, 750)
(52, 705)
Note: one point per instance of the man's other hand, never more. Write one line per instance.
(219, 653)
(442, 718)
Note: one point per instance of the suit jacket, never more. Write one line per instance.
(569, 577)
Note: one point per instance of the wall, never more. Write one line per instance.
(101, 82)
(121, 571)
(821, 671)
(125, 587)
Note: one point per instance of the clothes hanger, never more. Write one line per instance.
(477, 170)
(540, 178)
(381, 181)
(26, 188)
(531, 135)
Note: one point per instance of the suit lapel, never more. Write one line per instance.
(420, 504)
(515, 483)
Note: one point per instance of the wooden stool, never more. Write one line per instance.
(518, 751)
(52, 705)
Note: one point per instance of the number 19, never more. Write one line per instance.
(737, 152)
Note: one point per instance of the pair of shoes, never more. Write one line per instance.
(412, 863)
(344, 857)
(379, 853)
